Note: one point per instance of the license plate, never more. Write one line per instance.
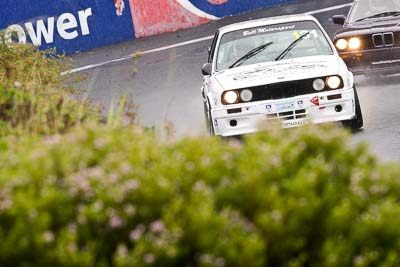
(285, 106)
(291, 124)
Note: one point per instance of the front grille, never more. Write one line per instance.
(284, 90)
(289, 115)
(383, 39)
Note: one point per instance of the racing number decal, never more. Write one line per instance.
(313, 33)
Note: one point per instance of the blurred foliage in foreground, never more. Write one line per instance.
(33, 98)
(117, 196)
(110, 196)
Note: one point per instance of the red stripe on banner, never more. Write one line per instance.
(158, 16)
(218, 2)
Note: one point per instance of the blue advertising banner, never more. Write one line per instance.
(79, 25)
(70, 25)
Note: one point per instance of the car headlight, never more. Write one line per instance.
(333, 82)
(354, 43)
(318, 85)
(230, 97)
(246, 95)
(341, 44)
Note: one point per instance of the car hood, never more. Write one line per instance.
(276, 72)
(370, 26)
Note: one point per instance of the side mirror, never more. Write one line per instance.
(339, 19)
(206, 69)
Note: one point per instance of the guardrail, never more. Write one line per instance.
(78, 25)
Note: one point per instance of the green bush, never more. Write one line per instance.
(120, 197)
(33, 98)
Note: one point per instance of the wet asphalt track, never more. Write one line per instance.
(166, 85)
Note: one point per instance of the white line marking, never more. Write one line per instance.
(92, 66)
(137, 54)
(328, 9)
(194, 10)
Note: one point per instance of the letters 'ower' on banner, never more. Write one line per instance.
(68, 25)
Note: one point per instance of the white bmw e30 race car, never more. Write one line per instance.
(284, 69)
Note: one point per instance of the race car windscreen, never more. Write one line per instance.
(364, 9)
(274, 40)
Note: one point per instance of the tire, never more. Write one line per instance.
(357, 123)
(207, 117)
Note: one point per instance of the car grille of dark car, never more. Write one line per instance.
(383, 39)
(283, 90)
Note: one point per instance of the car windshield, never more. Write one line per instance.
(277, 41)
(364, 9)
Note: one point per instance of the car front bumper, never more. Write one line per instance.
(246, 118)
(383, 60)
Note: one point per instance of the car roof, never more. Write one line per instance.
(266, 22)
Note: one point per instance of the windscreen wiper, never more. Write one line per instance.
(250, 54)
(291, 46)
(383, 14)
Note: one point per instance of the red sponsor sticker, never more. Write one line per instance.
(315, 100)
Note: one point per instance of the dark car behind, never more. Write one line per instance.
(370, 38)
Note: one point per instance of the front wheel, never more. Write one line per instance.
(357, 123)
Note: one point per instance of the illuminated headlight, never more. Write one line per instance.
(230, 97)
(318, 85)
(246, 95)
(354, 43)
(333, 82)
(341, 44)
